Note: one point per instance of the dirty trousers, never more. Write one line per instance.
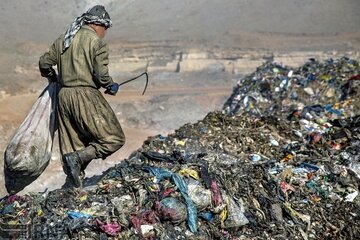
(86, 119)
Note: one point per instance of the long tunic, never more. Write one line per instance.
(85, 117)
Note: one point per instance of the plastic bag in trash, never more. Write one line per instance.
(199, 195)
(172, 209)
(354, 168)
(29, 151)
(235, 217)
(160, 173)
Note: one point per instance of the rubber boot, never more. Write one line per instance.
(72, 168)
(74, 164)
(86, 156)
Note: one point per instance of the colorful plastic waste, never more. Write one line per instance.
(280, 161)
(74, 214)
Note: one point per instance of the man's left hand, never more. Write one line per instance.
(113, 89)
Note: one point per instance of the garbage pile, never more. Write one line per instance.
(276, 89)
(277, 163)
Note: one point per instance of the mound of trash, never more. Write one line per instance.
(281, 161)
(276, 89)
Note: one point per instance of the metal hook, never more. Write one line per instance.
(132, 79)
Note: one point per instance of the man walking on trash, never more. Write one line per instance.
(88, 127)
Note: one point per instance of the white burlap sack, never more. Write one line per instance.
(29, 151)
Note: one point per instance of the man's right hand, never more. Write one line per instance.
(49, 73)
(52, 78)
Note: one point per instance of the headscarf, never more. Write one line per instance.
(97, 15)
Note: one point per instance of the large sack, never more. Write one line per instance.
(29, 151)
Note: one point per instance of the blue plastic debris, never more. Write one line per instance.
(161, 173)
(75, 214)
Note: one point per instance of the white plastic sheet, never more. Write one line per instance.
(29, 151)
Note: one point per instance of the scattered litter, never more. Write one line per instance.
(281, 161)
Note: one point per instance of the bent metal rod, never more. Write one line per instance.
(132, 79)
